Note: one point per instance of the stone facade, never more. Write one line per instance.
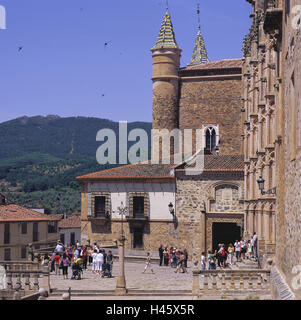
(195, 215)
(156, 225)
(289, 152)
(213, 101)
(261, 93)
(272, 73)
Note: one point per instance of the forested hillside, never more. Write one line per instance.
(41, 157)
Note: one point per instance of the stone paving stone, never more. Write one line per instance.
(164, 279)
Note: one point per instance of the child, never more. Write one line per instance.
(148, 264)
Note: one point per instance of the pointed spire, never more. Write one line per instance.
(200, 54)
(166, 37)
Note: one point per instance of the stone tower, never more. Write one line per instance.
(166, 63)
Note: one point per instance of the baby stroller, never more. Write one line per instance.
(106, 269)
(76, 270)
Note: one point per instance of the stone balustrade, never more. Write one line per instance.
(26, 277)
(229, 282)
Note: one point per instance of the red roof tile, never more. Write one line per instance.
(144, 170)
(73, 221)
(13, 212)
(221, 163)
(221, 64)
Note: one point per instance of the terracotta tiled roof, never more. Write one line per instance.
(221, 64)
(55, 217)
(138, 170)
(221, 163)
(73, 221)
(13, 212)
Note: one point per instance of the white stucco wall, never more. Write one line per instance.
(160, 195)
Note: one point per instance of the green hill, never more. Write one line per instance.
(40, 157)
(59, 137)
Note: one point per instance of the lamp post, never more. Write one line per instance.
(121, 283)
(261, 182)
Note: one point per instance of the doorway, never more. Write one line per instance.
(224, 233)
(138, 239)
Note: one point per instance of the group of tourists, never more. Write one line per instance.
(223, 256)
(173, 257)
(79, 257)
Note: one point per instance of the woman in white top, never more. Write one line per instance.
(99, 262)
(94, 261)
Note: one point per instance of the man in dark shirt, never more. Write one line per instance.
(161, 250)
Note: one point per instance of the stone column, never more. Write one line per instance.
(251, 222)
(266, 227)
(121, 283)
(255, 221)
(46, 277)
(259, 226)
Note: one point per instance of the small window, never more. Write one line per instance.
(23, 253)
(24, 228)
(6, 233)
(35, 232)
(138, 206)
(7, 255)
(100, 206)
(210, 139)
(52, 227)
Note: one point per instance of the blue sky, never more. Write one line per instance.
(65, 69)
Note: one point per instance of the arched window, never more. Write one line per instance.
(210, 139)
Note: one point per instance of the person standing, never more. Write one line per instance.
(57, 258)
(94, 261)
(170, 256)
(223, 257)
(84, 256)
(65, 264)
(249, 250)
(237, 250)
(161, 254)
(211, 260)
(230, 253)
(243, 246)
(255, 246)
(110, 259)
(99, 259)
(52, 267)
(148, 264)
(186, 257)
(203, 261)
(166, 257)
(104, 260)
(218, 256)
(76, 254)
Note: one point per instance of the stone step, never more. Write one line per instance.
(131, 292)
